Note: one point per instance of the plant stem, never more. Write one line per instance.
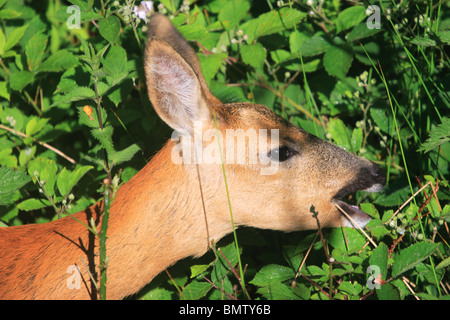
(103, 237)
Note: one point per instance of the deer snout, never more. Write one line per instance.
(377, 177)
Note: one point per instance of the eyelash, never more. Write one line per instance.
(284, 153)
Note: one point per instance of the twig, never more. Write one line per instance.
(356, 224)
(408, 201)
(46, 145)
(221, 290)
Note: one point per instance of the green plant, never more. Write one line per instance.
(74, 112)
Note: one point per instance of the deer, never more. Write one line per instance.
(175, 208)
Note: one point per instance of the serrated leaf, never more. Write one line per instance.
(339, 133)
(337, 60)
(253, 55)
(115, 64)
(20, 80)
(423, 41)
(444, 36)
(198, 269)
(379, 258)
(124, 155)
(411, 256)
(35, 49)
(277, 291)
(210, 64)
(351, 288)
(232, 12)
(11, 180)
(196, 290)
(60, 61)
(315, 45)
(79, 93)
(193, 32)
(67, 180)
(357, 139)
(361, 31)
(90, 119)
(104, 136)
(272, 22)
(438, 136)
(14, 37)
(33, 204)
(350, 17)
(272, 273)
(109, 28)
(346, 239)
(35, 125)
(9, 14)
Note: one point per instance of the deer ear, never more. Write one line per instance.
(173, 87)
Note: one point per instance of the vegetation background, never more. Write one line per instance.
(379, 91)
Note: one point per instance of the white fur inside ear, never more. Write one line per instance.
(177, 90)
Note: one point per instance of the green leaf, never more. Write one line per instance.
(60, 61)
(438, 136)
(233, 12)
(351, 288)
(346, 239)
(350, 17)
(109, 28)
(444, 36)
(361, 31)
(379, 258)
(14, 37)
(357, 139)
(11, 180)
(423, 41)
(67, 180)
(315, 45)
(20, 80)
(388, 292)
(277, 291)
(210, 64)
(411, 256)
(124, 155)
(9, 14)
(78, 93)
(444, 263)
(91, 121)
(105, 137)
(35, 125)
(115, 64)
(193, 32)
(34, 204)
(253, 55)
(337, 60)
(272, 273)
(198, 269)
(340, 133)
(272, 22)
(196, 290)
(35, 49)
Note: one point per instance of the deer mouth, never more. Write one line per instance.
(368, 180)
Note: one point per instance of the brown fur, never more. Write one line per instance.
(158, 217)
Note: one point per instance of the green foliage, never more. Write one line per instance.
(74, 111)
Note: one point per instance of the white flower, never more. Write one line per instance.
(143, 11)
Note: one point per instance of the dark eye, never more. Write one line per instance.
(281, 154)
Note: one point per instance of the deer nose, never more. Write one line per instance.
(378, 178)
(378, 175)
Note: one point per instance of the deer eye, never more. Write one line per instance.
(281, 154)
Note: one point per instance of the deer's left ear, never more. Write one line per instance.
(174, 88)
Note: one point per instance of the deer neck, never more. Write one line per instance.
(162, 223)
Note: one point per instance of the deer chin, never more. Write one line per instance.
(353, 216)
(358, 218)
